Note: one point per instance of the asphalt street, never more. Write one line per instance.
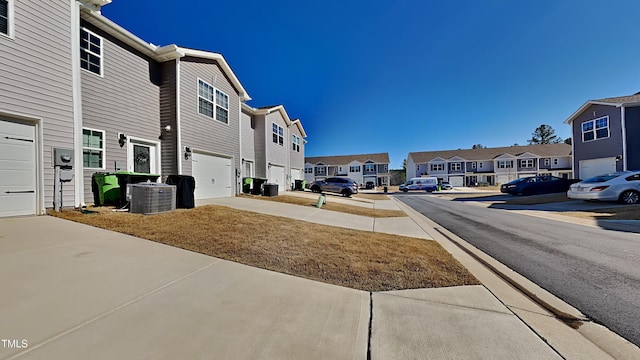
(593, 269)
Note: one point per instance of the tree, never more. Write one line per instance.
(404, 165)
(567, 141)
(544, 134)
(477, 146)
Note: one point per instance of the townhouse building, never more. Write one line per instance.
(75, 80)
(365, 169)
(491, 166)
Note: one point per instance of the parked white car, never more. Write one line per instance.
(621, 186)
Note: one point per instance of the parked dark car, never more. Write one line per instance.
(542, 184)
(342, 185)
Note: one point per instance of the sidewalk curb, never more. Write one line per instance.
(604, 339)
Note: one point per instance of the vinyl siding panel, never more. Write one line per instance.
(276, 153)
(297, 158)
(124, 100)
(260, 142)
(168, 118)
(36, 79)
(200, 132)
(632, 121)
(248, 141)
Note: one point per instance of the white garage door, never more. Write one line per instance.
(17, 169)
(276, 176)
(456, 180)
(296, 174)
(213, 176)
(504, 178)
(595, 167)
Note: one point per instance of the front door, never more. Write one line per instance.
(143, 157)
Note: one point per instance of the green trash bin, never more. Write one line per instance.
(106, 190)
(246, 185)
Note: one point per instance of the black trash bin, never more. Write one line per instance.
(257, 185)
(270, 190)
(125, 178)
(299, 186)
(185, 188)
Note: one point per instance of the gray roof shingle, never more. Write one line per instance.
(380, 158)
(543, 150)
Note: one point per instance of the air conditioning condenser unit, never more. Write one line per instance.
(152, 198)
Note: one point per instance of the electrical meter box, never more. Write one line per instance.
(63, 157)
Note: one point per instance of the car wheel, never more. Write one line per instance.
(629, 197)
(315, 189)
(404, 190)
(346, 193)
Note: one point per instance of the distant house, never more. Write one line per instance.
(491, 166)
(605, 134)
(273, 145)
(364, 168)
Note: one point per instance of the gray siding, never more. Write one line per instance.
(36, 79)
(168, 118)
(248, 142)
(201, 132)
(632, 121)
(260, 141)
(297, 158)
(609, 147)
(276, 153)
(124, 100)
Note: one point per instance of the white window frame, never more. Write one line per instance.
(91, 53)
(248, 168)
(555, 161)
(321, 170)
(222, 104)
(546, 162)
(308, 170)
(455, 166)
(474, 165)
(214, 98)
(593, 130)
(369, 168)
(527, 163)
(10, 16)
(437, 166)
(480, 165)
(296, 143)
(505, 164)
(277, 133)
(354, 168)
(102, 150)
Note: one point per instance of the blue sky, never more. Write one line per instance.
(368, 76)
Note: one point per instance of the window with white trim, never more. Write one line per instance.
(248, 168)
(222, 107)
(6, 18)
(555, 161)
(505, 164)
(474, 165)
(526, 163)
(212, 102)
(321, 170)
(295, 141)
(92, 149)
(437, 167)
(595, 129)
(480, 165)
(546, 162)
(90, 51)
(308, 170)
(278, 134)
(456, 166)
(369, 168)
(354, 168)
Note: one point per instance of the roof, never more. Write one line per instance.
(619, 101)
(542, 150)
(160, 54)
(380, 158)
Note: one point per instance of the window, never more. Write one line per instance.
(248, 169)
(369, 168)
(278, 134)
(555, 161)
(595, 129)
(526, 163)
(92, 149)
(308, 170)
(505, 164)
(6, 7)
(474, 165)
(354, 168)
(210, 98)
(295, 143)
(321, 170)
(546, 162)
(480, 165)
(456, 166)
(437, 167)
(90, 51)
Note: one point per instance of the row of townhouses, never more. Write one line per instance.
(491, 166)
(73, 79)
(365, 169)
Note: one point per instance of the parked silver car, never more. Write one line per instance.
(621, 186)
(342, 185)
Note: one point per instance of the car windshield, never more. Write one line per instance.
(602, 178)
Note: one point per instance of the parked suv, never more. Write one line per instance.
(341, 185)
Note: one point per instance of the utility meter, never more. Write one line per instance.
(63, 157)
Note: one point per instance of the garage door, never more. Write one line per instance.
(213, 176)
(595, 167)
(276, 176)
(296, 174)
(504, 178)
(17, 169)
(456, 180)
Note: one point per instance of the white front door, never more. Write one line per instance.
(142, 156)
(213, 176)
(17, 169)
(276, 176)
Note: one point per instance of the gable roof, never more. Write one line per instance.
(543, 150)
(381, 158)
(619, 101)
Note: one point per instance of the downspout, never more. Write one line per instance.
(624, 137)
(77, 105)
(178, 131)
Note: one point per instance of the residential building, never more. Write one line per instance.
(602, 136)
(364, 168)
(274, 145)
(120, 104)
(491, 166)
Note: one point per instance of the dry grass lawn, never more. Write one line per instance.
(356, 259)
(349, 209)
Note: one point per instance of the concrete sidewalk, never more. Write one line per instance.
(71, 291)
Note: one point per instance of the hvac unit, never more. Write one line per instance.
(152, 198)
